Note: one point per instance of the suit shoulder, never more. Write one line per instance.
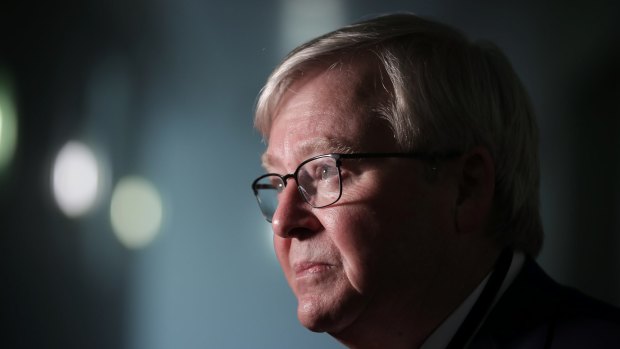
(536, 311)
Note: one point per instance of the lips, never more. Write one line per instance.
(305, 269)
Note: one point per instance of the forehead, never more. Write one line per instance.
(329, 109)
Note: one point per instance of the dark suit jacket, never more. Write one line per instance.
(537, 312)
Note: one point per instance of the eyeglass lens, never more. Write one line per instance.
(318, 182)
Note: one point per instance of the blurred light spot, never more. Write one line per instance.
(136, 211)
(8, 123)
(75, 179)
(302, 20)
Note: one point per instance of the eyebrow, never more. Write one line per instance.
(309, 148)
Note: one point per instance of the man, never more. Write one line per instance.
(403, 194)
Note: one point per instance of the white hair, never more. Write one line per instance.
(444, 93)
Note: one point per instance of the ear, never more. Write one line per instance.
(475, 192)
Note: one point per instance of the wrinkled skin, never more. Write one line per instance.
(380, 250)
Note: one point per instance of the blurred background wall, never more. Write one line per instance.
(127, 150)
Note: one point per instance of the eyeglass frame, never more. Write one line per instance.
(338, 157)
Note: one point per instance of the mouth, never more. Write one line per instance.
(310, 269)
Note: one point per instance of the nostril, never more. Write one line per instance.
(298, 233)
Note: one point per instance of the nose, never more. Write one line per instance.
(294, 217)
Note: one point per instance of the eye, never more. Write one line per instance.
(328, 172)
(318, 170)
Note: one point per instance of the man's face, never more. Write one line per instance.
(385, 236)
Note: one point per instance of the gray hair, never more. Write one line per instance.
(444, 93)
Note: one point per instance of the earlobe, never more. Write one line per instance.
(476, 178)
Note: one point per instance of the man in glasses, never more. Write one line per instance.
(402, 187)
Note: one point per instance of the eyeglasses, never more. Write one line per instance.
(318, 179)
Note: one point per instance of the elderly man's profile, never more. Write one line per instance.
(402, 187)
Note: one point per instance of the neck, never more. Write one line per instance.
(405, 317)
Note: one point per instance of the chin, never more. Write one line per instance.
(312, 316)
(319, 316)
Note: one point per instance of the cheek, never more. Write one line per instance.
(354, 233)
(381, 234)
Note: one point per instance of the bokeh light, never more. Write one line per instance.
(8, 122)
(136, 211)
(75, 179)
